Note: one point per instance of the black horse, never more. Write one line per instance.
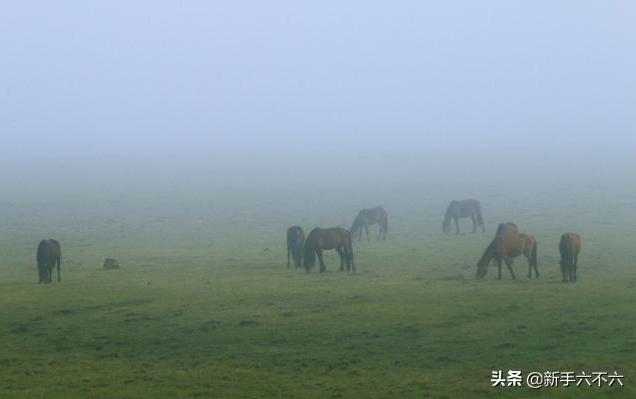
(368, 217)
(295, 242)
(49, 254)
(320, 240)
(463, 209)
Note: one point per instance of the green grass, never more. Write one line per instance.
(201, 309)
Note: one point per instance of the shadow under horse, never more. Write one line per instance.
(295, 242)
(462, 209)
(368, 217)
(506, 247)
(570, 247)
(49, 254)
(320, 240)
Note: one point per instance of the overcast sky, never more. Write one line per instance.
(196, 77)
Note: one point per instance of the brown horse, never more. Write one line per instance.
(506, 247)
(570, 247)
(295, 242)
(462, 209)
(49, 254)
(368, 217)
(325, 239)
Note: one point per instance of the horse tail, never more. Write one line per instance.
(480, 218)
(533, 258)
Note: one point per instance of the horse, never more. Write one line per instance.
(48, 255)
(320, 240)
(504, 228)
(295, 242)
(367, 217)
(506, 247)
(570, 247)
(463, 209)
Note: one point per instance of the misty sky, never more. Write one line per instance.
(196, 77)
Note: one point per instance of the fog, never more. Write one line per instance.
(224, 94)
(183, 139)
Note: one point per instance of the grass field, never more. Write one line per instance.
(204, 306)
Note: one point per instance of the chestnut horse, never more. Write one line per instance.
(320, 240)
(368, 217)
(570, 247)
(463, 209)
(295, 242)
(506, 247)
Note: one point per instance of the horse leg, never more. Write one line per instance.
(59, 277)
(379, 230)
(366, 229)
(509, 265)
(529, 266)
(288, 254)
(474, 223)
(564, 271)
(341, 254)
(456, 224)
(498, 260)
(575, 262)
(320, 261)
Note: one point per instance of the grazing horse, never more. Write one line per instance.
(320, 240)
(463, 209)
(49, 254)
(371, 216)
(295, 242)
(506, 247)
(570, 247)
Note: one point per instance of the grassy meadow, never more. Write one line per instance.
(204, 305)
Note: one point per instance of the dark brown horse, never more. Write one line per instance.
(320, 240)
(570, 247)
(49, 254)
(506, 247)
(463, 209)
(368, 217)
(295, 242)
